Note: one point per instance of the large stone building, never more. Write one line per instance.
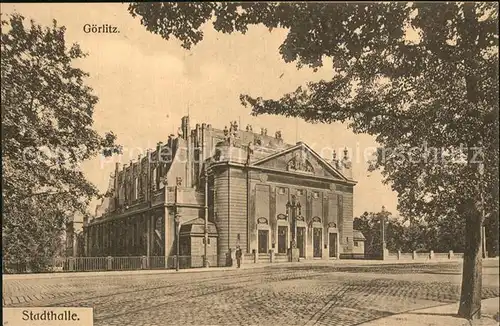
(257, 192)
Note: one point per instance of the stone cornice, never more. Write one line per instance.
(288, 173)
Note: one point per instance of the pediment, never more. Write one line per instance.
(300, 159)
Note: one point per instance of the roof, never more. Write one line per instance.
(358, 235)
(197, 227)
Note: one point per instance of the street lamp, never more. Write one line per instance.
(177, 220)
(383, 231)
(291, 210)
(205, 229)
(481, 189)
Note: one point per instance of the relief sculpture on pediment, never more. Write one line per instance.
(299, 162)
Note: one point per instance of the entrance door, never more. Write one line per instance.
(263, 239)
(301, 236)
(333, 244)
(282, 244)
(317, 242)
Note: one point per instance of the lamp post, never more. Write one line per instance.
(383, 213)
(205, 258)
(177, 220)
(291, 210)
(483, 229)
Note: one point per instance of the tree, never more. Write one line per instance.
(492, 228)
(399, 235)
(369, 225)
(46, 133)
(431, 102)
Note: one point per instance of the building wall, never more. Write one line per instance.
(198, 250)
(347, 223)
(260, 207)
(359, 248)
(238, 209)
(268, 199)
(221, 199)
(177, 172)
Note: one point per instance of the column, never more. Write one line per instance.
(86, 241)
(326, 221)
(309, 242)
(148, 234)
(110, 238)
(168, 225)
(133, 236)
(98, 239)
(273, 223)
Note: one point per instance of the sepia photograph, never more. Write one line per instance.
(250, 163)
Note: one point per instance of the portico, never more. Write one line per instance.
(299, 208)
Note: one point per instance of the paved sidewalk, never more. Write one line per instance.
(442, 315)
(247, 265)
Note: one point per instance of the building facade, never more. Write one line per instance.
(227, 188)
(74, 240)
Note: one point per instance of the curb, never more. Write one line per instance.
(250, 266)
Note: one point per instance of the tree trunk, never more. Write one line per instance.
(470, 297)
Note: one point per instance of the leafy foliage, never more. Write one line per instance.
(46, 133)
(431, 100)
(443, 235)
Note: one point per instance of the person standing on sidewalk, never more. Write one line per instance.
(238, 256)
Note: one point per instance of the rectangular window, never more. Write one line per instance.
(356, 244)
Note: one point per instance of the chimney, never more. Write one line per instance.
(116, 195)
(186, 132)
(159, 145)
(203, 148)
(125, 186)
(170, 141)
(185, 127)
(148, 175)
(197, 135)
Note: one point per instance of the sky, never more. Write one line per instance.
(145, 84)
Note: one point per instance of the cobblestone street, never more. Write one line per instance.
(304, 294)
